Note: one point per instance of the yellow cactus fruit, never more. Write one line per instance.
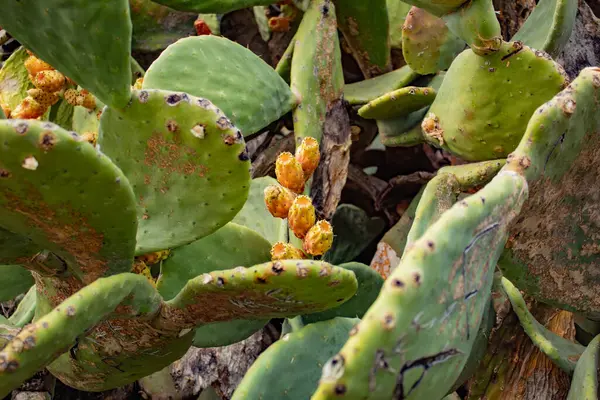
(301, 216)
(90, 137)
(278, 200)
(285, 251)
(308, 156)
(34, 65)
(71, 96)
(140, 268)
(318, 239)
(49, 81)
(289, 172)
(28, 109)
(87, 99)
(45, 99)
(155, 257)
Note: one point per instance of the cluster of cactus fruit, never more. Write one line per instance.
(287, 202)
(129, 219)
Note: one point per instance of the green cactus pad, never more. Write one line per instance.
(61, 114)
(369, 285)
(212, 6)
(89, 41)
(256, 216)
(186, 161)
(398, 103)
(270, 290)
(561, 351)
(284, 66)
(149, 21)
(477, 24)
(428, 45)
(15, 280)
(67, 198)
(317, 77)
(236, 80)
(484, 104)
(558, 157)
(354, 231)
(286, 370)
(14, 80)
(397, 11)
(211, 253)
(365, 26)
(369, 89)
(15, 249)
(25, 310)
(584, 385)
(415, 339)
(39, 343)
(549, 26)
(215, 253)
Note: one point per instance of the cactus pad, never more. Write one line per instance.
(212, 6)
(369, 285)
(561, 351)
(428, 45)
(408, 350)
(365, 27)
(560, 149)
(270, 290)
(254, 214)
(236, 80)
(397, 11)
(549, 26)
(14, 80)
(584, 385)
(286, 371)
(185, 160)
(15, 280)
(482, 117)
(15, 249)
(89, 41)
(67, 198)
(398, 103)
(369, 89)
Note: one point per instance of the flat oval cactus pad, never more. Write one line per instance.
(58, 191)
(186, 161)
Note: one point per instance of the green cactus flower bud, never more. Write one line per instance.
(302, 216)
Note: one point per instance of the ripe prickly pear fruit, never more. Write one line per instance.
(308, 156)
(34, 65)
(319, 239)
(87, 99)
(49, 81)
(301, 216)
(285, 251)
(202, 27)
(278, 200)
(141, 268)
(90, 137)
(279, 24)
(155, 257)
(45, 99)
(28, 109)
(289, 172)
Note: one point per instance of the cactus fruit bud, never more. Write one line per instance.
(278, 200)
(34, 65)
(49, 81)
(301, 216)
(308, 156)
(138, 84)
(289, 172)
(45, 99)
(285, 251)
(28, 109)
(319, 239)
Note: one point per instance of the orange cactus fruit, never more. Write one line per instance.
(34, 65)
(318, 239)
(28, 109)
(279, 24)
(278, 200)
(90, 137)
(87, 99)
(308, 155)
(49, 81)
(45, 99)
(202, 27)
(302, 216)
(289, 172)
(285, 251)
